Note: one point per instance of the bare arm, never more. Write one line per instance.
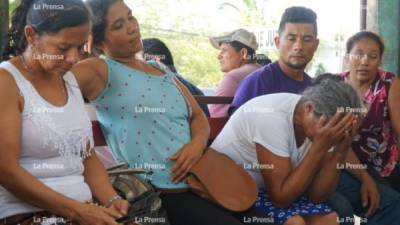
(285, 184)
(91, 75)
(394, 106)
(20, 182)
(326, 180)
(187, 156)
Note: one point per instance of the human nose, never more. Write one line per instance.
(298, 45)
(73, 56)
(219, 56)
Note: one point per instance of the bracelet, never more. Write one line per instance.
(112, 200)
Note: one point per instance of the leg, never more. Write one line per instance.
(188, 208)
(253, 216)
(295, 220)
(394, 179)
(342, 207)
(389, 207)
(328, 219)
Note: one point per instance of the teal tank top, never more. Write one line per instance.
(145, 119)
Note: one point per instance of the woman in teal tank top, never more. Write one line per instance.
(148, 117)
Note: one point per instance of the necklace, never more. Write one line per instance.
(60, 83)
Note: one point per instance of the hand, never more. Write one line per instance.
(121, 206)
(88, 214)
(184, 159)
(330, 133)
(344, 145)
(369, 195)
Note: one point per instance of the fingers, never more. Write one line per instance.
(335, 119)
(122, 206)
(176, 155)
(374, 202)
(344, 124)
(373, 205)
(321, 122)
(112, 213)
(181, 174)
(178, 169)
(179, 160)
(364, 198)
(355, 125)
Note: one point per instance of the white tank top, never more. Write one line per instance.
(53, 144)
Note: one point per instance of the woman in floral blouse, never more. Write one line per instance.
(377, 143)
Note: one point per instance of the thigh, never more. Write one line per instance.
(394, 179)
(349, 187)
(187, 208)
(254, 216)
(342, 207)
(388, 212)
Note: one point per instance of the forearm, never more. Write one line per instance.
(200, 130)
(29, 189)
(326, 180)
(301, 177)
(97, 178)
(358, 172)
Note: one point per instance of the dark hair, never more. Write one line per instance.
(298, 14)
(99, 9)
(251, 53)
(263, 59)
(45, 16)
(365, 34)
(154, 47)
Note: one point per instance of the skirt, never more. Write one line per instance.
(301, 207)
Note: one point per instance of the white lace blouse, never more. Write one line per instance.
(53, 145)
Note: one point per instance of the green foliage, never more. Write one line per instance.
(12, 5)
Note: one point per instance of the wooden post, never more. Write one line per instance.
(4, 24)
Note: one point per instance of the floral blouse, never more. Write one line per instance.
(376, 143)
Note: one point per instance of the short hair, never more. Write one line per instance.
(251, 53)
(365, 34)
(298, 14)
(329, 94)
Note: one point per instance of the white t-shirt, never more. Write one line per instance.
(268, 121)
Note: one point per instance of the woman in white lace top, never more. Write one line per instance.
(47, 161)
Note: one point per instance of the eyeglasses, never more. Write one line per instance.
(360, 56)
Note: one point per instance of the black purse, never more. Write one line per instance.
(146, 207)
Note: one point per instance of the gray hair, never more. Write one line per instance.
(329, 95)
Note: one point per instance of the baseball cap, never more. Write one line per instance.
(241, 35)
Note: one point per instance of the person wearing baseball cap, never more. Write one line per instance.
(237, 59)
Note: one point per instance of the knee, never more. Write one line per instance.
(295, 220)
(330, 219)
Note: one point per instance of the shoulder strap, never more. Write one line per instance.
(21, 82)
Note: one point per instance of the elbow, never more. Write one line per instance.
(7, 171)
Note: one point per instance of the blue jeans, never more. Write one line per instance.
(342, 207)
(348, 188)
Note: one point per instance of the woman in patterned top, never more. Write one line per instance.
(47, 165)
(148, 117)
(376, 145)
